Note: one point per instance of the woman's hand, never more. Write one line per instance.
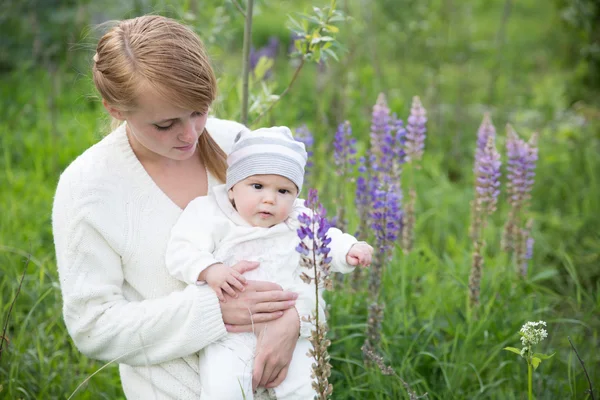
(259, 302)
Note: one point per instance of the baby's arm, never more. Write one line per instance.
(193, 240)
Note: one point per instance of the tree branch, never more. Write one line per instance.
(246, 61)
(296, 73)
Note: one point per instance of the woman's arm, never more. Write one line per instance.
(103, 324)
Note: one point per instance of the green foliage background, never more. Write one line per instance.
(532, 64)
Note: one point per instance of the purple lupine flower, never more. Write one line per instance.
(380, 123)
(268, 51)
(344, 148)
(386, 159)
(487, 173)
(486, 129)
(400, 139)
(522, 158)
(415, 131)
(386, 214)
(305, 136)
(316, 226)
(386, 223)
(529, 248)
(362, 200)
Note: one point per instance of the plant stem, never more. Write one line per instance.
(4, 338)
(239, 7)
(530, 381)
(591, 390)
(262, 114)
(246, 60)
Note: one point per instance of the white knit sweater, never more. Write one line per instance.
(111, 225)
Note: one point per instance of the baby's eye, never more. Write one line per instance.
(284, 191)
(257, 186)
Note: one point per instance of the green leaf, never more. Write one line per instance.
(262, 66)
(331, 54)
(332, 28)
(295, 24)
(337, 18)
(535, 362)
(543, 356)
(513, 349)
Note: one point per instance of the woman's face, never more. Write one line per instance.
(158, 130)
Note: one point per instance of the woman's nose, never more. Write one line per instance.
(188, 134)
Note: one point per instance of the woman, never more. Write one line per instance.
(114, 209)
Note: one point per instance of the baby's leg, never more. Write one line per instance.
(298, 384)
(226, 368)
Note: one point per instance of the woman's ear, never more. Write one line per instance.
(113, 111)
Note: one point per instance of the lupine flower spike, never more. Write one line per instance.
(362, 200)
(487, 188)
(386, 218)
(344, 153)
(415, 131)
(522, 159)
(380, 124)
(314, 253)
(413, 141)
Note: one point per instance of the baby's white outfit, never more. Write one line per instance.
(210, 231)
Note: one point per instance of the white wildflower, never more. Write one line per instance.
(532, 333)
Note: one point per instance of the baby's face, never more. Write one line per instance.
(264, 200)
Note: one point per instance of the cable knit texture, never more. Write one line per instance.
(111, 225)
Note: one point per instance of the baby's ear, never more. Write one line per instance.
(230, 194)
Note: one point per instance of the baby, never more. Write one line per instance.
(254, 217)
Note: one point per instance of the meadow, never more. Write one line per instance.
(462, 59)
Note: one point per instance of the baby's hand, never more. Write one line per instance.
(360, 254)
(221, 277)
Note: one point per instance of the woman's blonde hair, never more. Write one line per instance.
(170, 58)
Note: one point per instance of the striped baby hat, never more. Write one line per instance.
(266, 151)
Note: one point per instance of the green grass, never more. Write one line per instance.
(444, 52)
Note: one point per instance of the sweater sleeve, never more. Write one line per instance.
(104, 324)
(193, 239)
(340, 246)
